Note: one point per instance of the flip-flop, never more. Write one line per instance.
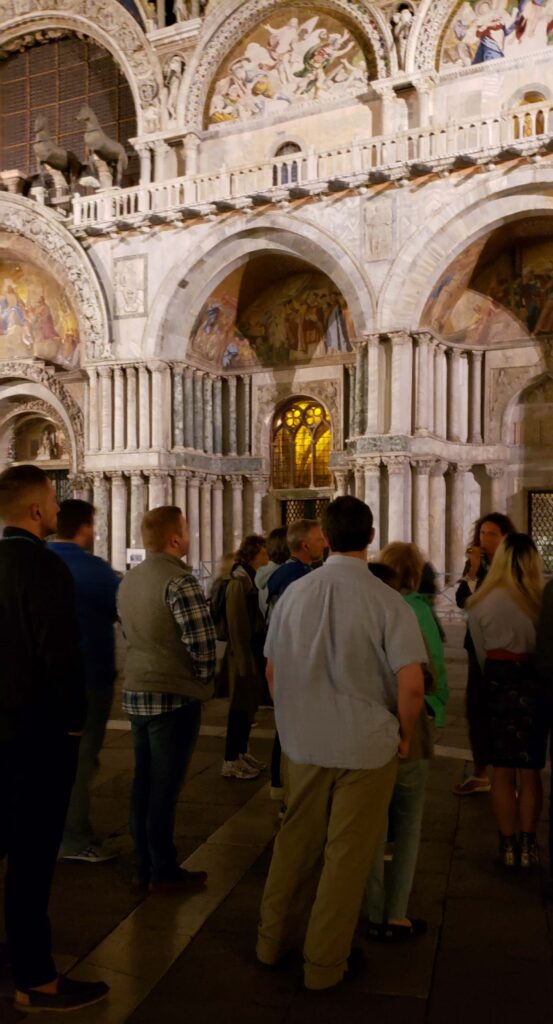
(472, 786)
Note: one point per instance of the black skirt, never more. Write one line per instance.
(517, 714)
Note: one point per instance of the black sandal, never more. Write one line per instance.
(401, 932)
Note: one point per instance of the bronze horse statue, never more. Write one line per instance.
(98, 144)
(48, 154)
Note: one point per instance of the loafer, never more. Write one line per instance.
(70, 995)
(183, 881)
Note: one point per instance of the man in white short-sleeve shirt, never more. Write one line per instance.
(344, 654)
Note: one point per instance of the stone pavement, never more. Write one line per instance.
(486, 958)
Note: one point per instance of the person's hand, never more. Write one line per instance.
(474, 555)
(403, 749)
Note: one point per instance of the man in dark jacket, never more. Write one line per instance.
(306, 544)
(95, 592)
(42, 713)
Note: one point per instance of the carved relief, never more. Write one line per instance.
(30, 221)
(254, 12)
(434, 19)
(379, 229)
(129, 285)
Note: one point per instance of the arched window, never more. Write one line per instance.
(302, 440)
(529, 122)
(286, 171)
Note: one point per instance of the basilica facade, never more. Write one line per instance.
(254, 254)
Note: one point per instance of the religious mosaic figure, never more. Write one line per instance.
(285, 61)
(484, 30)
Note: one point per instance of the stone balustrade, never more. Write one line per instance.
(397, 155)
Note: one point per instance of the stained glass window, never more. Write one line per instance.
(301, 446)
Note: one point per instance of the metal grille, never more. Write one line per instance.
(62, 484)
(56, 79)
(294, 509)
(540, 525)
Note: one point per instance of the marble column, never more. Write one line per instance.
(107, 412)
(198, 411)
(159, 404)
(181, 481)
(421, 504)
(233, 418)
(101, 517)
(422, 394)
(178, 406)
(431, 386)
(118, 409)
(206, 549)
(359, 421)
(189, 408)
(259, 484)
(144, 408)
(496, 473)
(208, 413)
(352, 375)
(457, 539)
(373, 384)
(191, 146)
(475, 397)
(132, 443)
(237, 484)
(92, 409)
(193, 509)
(158, 488)
(145, 157)
(217, 521)
(397, 466)
(138, 508)
(246, 391)
(340, 482)
(81, 487)
(372, 496)
(401, 383)
(440, 391)
(454, 392)
(118, 522)
(436, 515)
(360, 482)
(218, 416)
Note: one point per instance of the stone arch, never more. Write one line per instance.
(430, 22)
(230, 20)
(114, 28)
(223, 252)
(29, 382)
(42, 227)
(518, 95)
(519, 384)
(460, 221)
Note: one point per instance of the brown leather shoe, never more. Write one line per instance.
(183, 881)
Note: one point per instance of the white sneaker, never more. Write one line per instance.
(253, 762)
(91, 855)
(239, 769)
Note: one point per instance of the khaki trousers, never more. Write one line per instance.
(337, 815)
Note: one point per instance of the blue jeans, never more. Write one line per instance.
(78, 832)
(163, 746)
(388, 899)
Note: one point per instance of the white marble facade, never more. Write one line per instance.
(371, 153)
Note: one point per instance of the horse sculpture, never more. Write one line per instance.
(98, 145)
(48, 154)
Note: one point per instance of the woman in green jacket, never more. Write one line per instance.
(387, 898)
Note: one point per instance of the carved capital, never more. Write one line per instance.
(395, 464)
(439, 467)
(495, 470)
(399, 337)
(423, 466)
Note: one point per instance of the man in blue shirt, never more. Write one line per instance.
(95, 593)
(306, 543)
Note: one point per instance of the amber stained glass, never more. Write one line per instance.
(301, 446)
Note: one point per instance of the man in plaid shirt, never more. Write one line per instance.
(168, 674)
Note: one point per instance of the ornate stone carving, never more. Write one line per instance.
(379, 229)
(40, 374)
(433, 15)
(44, 229)
(129, 285)
(369, 23)
(402, 23)
(129, 44)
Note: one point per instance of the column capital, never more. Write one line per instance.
(260, 483)
(495, 470)
(117, 477)
(136, 477)
(181, 474)
(157, 366)
(178, 367)
(422, 466)
(189, 372)
(99, 480)
(118, 370)
(237, 482)
(358, 344)
(218, 484)
(372, 340)
(399, 337)
(423, 337)
(395, 463)
(194, 479)
(158, 474)
(206, 482)
(232, 380)
(458, 468)
(372, 464)
(80, 481)
(439, 467)
(105, 371)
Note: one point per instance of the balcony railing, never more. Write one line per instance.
(408, 152)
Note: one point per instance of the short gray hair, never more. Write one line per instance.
(299, 531)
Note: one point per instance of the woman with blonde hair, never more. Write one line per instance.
(387, 896)
(502, 618)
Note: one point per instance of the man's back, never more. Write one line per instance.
(336, 640)
(40, 667)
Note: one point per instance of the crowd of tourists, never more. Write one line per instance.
(353, 661)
